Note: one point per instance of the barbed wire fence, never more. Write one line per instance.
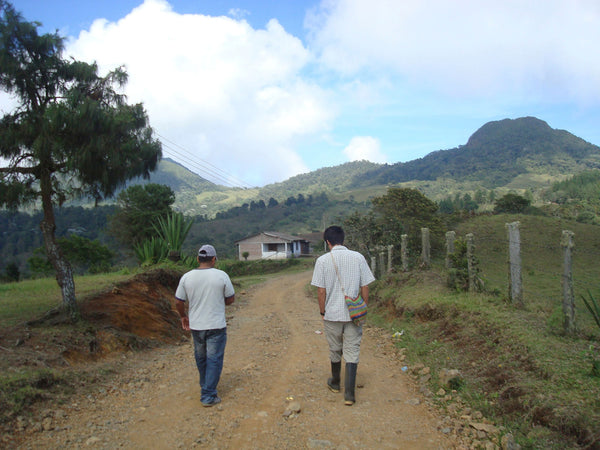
(547, 278)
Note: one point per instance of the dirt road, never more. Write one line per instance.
(276, 355)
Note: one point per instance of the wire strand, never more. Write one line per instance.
(205, 167)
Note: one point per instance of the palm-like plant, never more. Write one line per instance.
(173, 230)
(151, 251)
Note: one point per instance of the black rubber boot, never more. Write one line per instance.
(350, 383)
(334, 382)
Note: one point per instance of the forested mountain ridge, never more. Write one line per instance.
(496, 154)
(526, 149)
(327, 179)
(197, 196)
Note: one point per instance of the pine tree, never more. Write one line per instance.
(72, 134)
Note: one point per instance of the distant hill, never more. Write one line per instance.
(523, 153)
(328, 179)
(197, 196)
(495, 155)
(194, 194)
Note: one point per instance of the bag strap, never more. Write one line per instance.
(337, 273)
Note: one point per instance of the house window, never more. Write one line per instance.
(272, 247)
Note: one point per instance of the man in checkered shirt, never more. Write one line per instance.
(349, 268)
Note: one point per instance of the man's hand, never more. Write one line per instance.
(185, 323)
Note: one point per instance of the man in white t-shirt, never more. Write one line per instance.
(338, 273)
(206, 290)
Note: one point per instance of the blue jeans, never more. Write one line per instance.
(209, 350)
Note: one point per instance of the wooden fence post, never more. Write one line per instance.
(425, 248)
(404, 252)
(389, 249)
(373, 265)
(471, 261)
(567, 283)
(381, 264)
(450, 238)
(515, 283)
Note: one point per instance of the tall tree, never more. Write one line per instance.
(406, 211)
(139, 206)
(72, 134)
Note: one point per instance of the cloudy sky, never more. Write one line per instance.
(250, 92)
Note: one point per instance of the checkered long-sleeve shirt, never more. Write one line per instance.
(354, 273)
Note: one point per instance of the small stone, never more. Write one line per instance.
(485, 427)
(294, 407)
(417, 367)
(92, 441)
(452, 408)
(47, 424)
(508, 442)
(318, 443)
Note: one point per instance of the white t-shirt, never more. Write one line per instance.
(352, 270)
(205, 290)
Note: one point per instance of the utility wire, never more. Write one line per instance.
(204, 172)
(203, 166)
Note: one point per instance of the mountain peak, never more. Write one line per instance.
(507, 130)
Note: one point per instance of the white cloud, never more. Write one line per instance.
(230, 94)
(542, 50)
(238, 13)
(365, 148)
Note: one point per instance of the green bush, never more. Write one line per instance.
(258, 267)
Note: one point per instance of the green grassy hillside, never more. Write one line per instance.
(542, 257)
(517, 367)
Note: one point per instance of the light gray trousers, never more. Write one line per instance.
(344, 340)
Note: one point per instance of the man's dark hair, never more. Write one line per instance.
(334, 234)
(205, 259)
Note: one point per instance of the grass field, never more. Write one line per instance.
(517, 366)
(29, 299)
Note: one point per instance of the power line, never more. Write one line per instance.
(204, 167)
(202, 171)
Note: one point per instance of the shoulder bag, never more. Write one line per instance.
(357, 308)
